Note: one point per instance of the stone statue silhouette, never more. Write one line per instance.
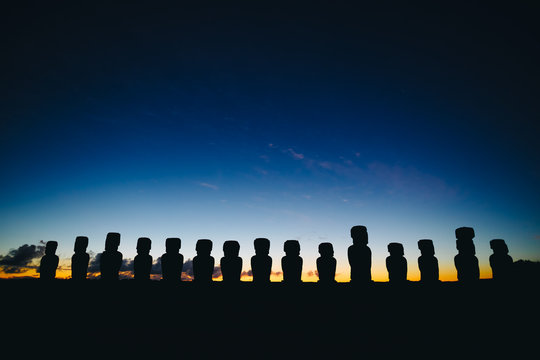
(291, 263)
(142, 264)
(359, 255)
(49, 262)
(326, 263)
(231, 263)
(427, 262)
(203, 263)
(261, 262)
(501, 263)
(465, 261)
(396, 264)
(111, 259)
(80, 260)
(172, 262)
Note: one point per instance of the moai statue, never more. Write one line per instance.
(261, 262)
(326, 263)
(172, 262)
(396, 264)
(466, 261)
(359, 255)
(501, 263)
(79, 260)
(49, 262)
(203, 263)
(111, 258)
(142, 264)
(291, 263)
(427, 262)
(231, 263)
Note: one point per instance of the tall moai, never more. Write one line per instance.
(203, 263)
(172, 262)
(142, 264)
(396, 264)
(111, 259)
(427, 262)
(359, 255)
(231, 263)
(501, 263)
(49, 261)
(261, 262)
(465, 261)
(80, 260)
(291, 263)
(326, 263)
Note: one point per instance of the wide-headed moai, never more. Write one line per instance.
(172, 262)
(49, 261)
(142, 264)
(80, 260)
(465, 261)
(291, 263)
(326, 263)
(203, 263)
(359, 255)
(111, 259)
(261, 262)
(231, 263)
(396, 264)
(501, 263)
(427, 262)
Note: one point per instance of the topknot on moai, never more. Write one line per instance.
(231, 263)
(261, 262)
(172, 262)
(501, 263)
(427, 262)
(359, 255)
(291, 263)
(203, 263)
(143, 260)
(396, 264)
(49, 262)
(80, 260)
(465, 261)
(326, 263)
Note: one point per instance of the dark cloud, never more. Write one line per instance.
(21, 259)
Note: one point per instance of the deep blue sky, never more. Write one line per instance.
(234, 121)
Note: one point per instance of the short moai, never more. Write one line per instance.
(359, 255)
(501, 263)
(49, 262)
(172, 262)
(142, 264)
(111, 259)
(203, 263)
(291, 263)
(465, 261)
(427, 262)
(80, 260)
(396, 264)
(326, 263)
(231, 263)
(261, 262)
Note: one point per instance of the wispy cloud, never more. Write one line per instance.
(294, 154)
(207, 185)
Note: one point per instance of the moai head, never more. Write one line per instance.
(426, 247)
(359, 235)
(50, 247)
(326, 249)
(262, 246)
(172, 245)
(395, 249)
(498, 246)
(112, 242)
(465, 233)
(464, 240)
(143, 246)
(81, 243)
(231, 248)
(291, 247)
(203, 247)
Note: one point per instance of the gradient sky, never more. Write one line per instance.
(266, 119)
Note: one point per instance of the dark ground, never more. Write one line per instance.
(129, 318)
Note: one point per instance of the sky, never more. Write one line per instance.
(238, 120)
